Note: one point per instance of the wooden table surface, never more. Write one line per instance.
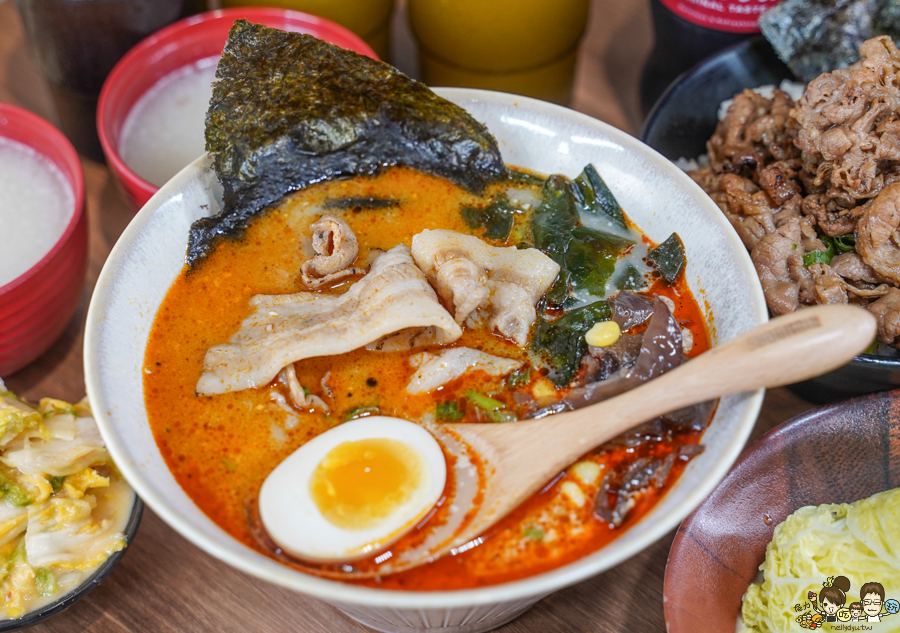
(165, 583)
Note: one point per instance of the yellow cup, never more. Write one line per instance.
(526, 47)
(370, 19)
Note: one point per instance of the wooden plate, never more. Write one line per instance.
(835, 454)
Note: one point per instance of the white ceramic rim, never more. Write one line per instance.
(333, 591)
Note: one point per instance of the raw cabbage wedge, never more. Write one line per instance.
(859, 540)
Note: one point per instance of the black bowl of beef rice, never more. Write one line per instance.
(679, 126)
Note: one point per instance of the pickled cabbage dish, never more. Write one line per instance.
(64, 504)
(374, 256)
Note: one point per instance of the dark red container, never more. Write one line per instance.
(36, 307)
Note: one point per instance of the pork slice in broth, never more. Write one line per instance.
(394, 296)
(435, 370)
(508, 281)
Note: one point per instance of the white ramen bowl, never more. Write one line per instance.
(533, 134)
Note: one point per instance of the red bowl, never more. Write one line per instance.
(176, 46)
(36, 306)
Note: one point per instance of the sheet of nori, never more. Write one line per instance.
(817, 36)
(289, 110)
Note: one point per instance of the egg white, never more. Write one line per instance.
(295, 523)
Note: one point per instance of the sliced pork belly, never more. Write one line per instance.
(435, 370)
(394, 296)
(507, 281)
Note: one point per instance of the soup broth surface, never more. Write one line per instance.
(221, 448)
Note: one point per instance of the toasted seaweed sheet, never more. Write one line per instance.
(817, 36)
(289, 110)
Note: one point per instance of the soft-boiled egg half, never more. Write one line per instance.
(353, 490)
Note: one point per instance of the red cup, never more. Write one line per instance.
(36, 306)
(178, 45)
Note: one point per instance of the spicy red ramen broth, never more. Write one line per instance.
(221, 448)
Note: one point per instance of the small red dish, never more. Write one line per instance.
(176, 46)
(835, 454)
(36, 306)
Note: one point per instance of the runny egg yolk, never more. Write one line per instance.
(360, 483)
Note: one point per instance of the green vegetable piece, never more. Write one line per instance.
(361, 203)
(560, 290)
(561, 342)
(56, 483)
(496, 219)
(591, 259)
(491, 406)
(845, 243)
(484, 402)
(14, 420)
(593, 197)
(289, 110)
(535, 533)
(359, 412)
(669, 258)
(13, 493)
(448, 411)
(519, 377)
(19, 552)
(500, 416)
(873, 347)
(630, 279)
(587, 257)
(524, 178)
(819, 256)
(229, 465)
(45, 582)
(555, 219)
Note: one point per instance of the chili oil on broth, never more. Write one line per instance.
(221, 448)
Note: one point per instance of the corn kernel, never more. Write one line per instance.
(603, 334)
(574, 493)
(587, 472)
(543, 389)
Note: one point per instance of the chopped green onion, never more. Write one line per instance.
(816, 257)
(492, 407)
(359, 412)
(448, 411)
(519, 377)
(484, 402)
(501, 416)
(229, 465)
(533, 533)
(845, 243)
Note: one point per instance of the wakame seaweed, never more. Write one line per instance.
(496, 219)
(587, 257)
(668, 258)
(593, 197)
(561, 342)
(289, 110)
(352, 204)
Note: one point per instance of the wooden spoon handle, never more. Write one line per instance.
(786, 350)
(520, 458)
(789, 349)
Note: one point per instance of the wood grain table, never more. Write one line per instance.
(164, 583)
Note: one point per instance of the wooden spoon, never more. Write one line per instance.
(520, 458)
